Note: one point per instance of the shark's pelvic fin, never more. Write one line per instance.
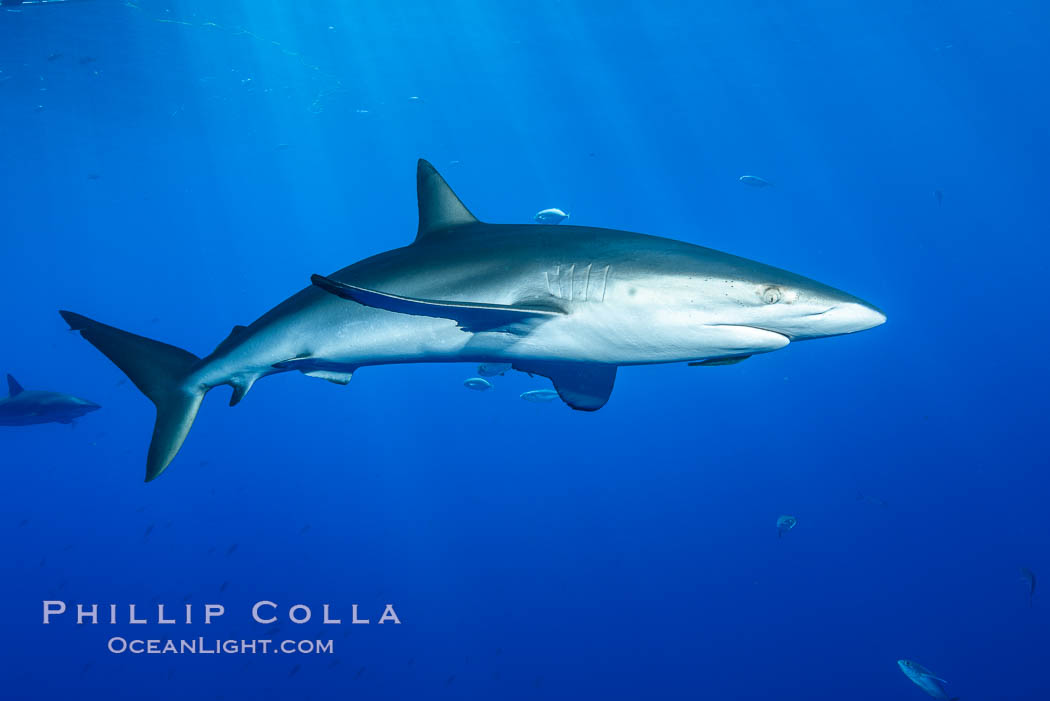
(159, 371)
(713, 362)
(470, 316)
(439, 208)
(13, 388)
(583, 386)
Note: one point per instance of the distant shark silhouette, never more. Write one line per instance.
(23, 408)
(571, 303)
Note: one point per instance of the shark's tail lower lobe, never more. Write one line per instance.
(160, 372)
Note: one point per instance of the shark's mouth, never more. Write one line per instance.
(751, 339)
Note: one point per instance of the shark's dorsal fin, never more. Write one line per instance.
(439, 208)
(13, 388)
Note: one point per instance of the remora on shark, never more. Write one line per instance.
(571, 303)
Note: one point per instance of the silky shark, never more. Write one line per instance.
(27, 407)
(570, 303)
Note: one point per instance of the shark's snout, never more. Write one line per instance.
(842, 316)
(851, 317)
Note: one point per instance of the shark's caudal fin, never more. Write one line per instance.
(13, 388)
(159, 371)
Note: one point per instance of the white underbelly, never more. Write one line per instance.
(590, 333)
(635, 336)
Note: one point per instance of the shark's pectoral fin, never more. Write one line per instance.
(470, 316)
(583, 386)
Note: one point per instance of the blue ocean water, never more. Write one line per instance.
(175, 168)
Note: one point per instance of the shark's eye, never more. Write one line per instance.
(771, 295)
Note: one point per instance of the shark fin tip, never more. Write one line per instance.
(13, 388)
(76, 321)
(439, 207)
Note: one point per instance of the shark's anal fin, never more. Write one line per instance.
(470, 316)
(240, 385)
(13, 388)
(583, 386)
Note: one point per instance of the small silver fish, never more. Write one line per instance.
(493, 369)
(925, 680)
(539, 395)
(785, 524)
(754, 181)
(551, 216)
(477, 384)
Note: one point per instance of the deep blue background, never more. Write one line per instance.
(200, 169)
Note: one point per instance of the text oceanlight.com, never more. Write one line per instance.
(202, 646)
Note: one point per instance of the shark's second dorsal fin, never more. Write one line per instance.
(439, 208)
(230, 341)
(13, 388)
